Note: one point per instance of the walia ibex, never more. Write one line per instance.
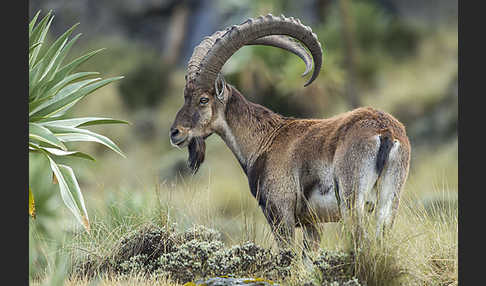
(301, 171)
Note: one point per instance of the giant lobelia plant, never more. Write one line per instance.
(54, 88)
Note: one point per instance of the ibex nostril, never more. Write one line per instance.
(174, 132)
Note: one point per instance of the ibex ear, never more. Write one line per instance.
(219, 87)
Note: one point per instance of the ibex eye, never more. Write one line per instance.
(203, 100)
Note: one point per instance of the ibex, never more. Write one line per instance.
(299, 170)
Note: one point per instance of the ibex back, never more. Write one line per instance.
(301, 171)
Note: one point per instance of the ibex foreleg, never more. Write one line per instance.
(279, 212)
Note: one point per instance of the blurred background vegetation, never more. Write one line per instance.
(397, 56)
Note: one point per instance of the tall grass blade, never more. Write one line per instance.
(43, 134)
(82, 121)
(32, 23)
(70, 192)
(39, 35)
(52, 54)
(61, 153)
(68, 68)
(71, 134)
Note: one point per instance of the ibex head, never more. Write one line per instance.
(206, 93)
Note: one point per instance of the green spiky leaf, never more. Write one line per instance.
(55, 87)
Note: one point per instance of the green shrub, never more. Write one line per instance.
(54, 89)
(198, 252)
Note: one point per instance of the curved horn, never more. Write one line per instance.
(212, 53)
(288, 44)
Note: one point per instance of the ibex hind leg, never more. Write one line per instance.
(311, 240)
(389, 186)
(355, 176)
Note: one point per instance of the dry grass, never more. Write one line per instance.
(421, 249)
(111, 280)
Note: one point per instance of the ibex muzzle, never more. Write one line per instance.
(301, 171)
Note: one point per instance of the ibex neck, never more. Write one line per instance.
(248, 128)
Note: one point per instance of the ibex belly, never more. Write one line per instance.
(323, 203)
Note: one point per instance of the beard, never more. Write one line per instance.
(197, 150)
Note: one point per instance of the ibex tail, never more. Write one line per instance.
(386, 143)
